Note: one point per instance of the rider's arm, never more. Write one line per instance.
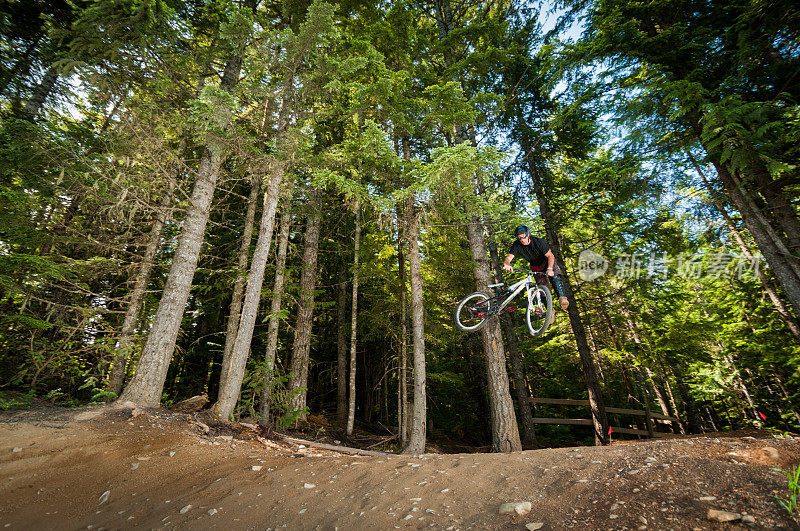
(551, 260)
(507, 262)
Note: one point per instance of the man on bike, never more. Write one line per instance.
(537, 252)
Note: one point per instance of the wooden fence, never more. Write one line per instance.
(651, 418)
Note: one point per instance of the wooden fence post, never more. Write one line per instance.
(649, 420)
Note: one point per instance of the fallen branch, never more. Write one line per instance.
(383, 441)
(342, 449)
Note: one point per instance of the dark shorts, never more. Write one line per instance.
(541, 280)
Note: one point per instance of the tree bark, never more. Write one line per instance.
(517, 372)
(673, 404)
(298, 381)
(505, 433)
(692, 415)
(767, 241)
(658, 392)
(418, 435)
(599, 418)
(787, 398)
(275, 307)
(351, 403)
(122, 350)
(241, 266)
(148, 382)
(341, 349)
(786, 316)
(783, 312)
(522, 396)
(404, 407)
(651, 377)
(403, 413)
(782, 210)
(230, 383)
(40, 93)
(633, 401)
(742, 388)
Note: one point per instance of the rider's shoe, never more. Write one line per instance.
(564, 303)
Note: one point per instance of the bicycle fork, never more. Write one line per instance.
(528, 293)
(531, 302)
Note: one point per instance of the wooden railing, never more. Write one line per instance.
(651, 418)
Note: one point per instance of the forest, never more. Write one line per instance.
(279, 203)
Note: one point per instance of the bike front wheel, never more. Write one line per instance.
(472, 312)
(540, 310)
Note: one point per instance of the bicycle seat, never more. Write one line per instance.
(495, 285)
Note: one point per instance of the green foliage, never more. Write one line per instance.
(10, 401)
(790, 502)
(261, 376)
(98, 395)
(371, 104)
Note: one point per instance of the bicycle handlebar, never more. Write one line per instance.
(534, 273)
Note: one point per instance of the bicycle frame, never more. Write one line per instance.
(516, 288)
(473, 310)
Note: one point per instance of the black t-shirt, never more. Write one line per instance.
(533, 252)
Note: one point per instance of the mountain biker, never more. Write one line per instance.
(537, 252)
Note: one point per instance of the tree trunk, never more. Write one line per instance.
(275, 307)
(231, 380)
(351, 403)
(341, 349)
(517, 372)
(657, 392)
(692, 416)
(780, 207)
(633, 401)
(148, 382)
(600, 421)
(418, 436)
(22, 67)
(783, 312)
(505, 433)
(789, 320)
(782, 387)
(403, 410)
(742, 388)
(40, 93)
(767, 241)
(122, 350)
(238, 285)
(298, 381)
(712, 418)
(230, 383)
(673, 405)
(523, 398)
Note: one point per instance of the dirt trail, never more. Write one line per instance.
(116, 468)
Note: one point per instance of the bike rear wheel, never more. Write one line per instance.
(472, 312)
(540, 310)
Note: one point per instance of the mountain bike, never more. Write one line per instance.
(474, 309)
